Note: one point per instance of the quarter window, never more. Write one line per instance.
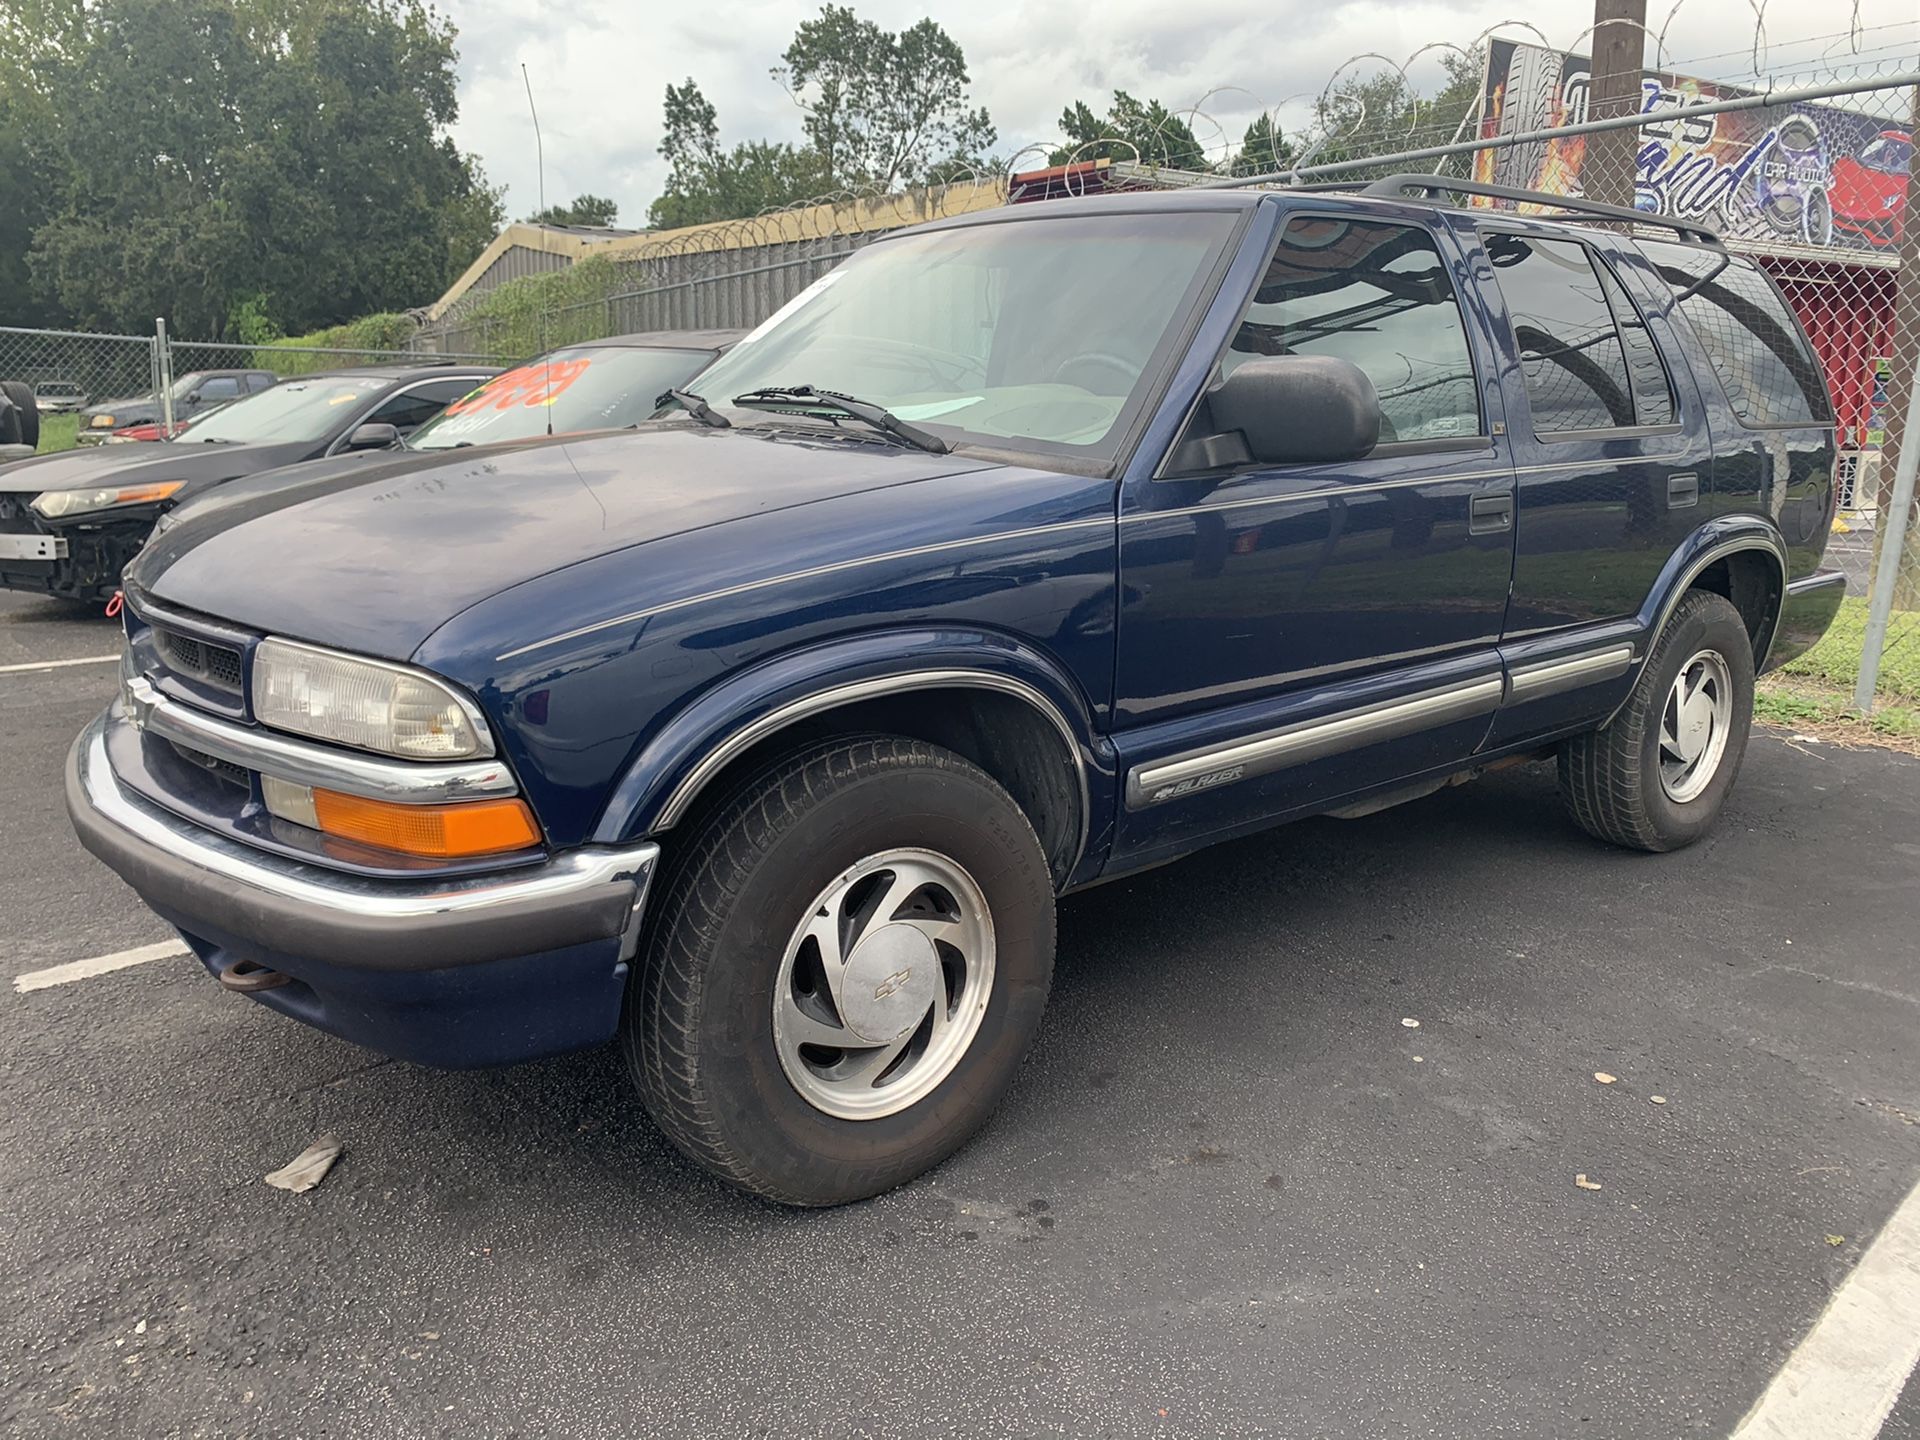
(1652, 391)
(1570, 352)
(1752, 340)
(1379, 296)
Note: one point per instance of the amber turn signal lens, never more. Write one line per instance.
(439, 832)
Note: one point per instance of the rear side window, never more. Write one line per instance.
(1377, 295)
(1570, 351)
(1652, 391)
(1752, 340)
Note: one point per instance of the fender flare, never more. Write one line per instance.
(1712, 542)
(720, 724)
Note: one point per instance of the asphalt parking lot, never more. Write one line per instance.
(1232, 1194)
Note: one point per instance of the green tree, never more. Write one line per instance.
(281, 162)
(1145, 131)
(1382, 113)
(585, 210)
(706, 183)
(36, 38)
(1263, 149)
(882, 109)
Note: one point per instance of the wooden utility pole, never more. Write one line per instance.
(1619, 48)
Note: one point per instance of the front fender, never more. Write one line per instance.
(721, 722)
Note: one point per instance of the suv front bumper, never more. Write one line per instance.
(486, 969)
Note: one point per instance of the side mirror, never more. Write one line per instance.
(374, 435)
(1298, 409)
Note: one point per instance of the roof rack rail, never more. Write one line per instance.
(1396, 187)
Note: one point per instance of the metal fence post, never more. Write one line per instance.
(1893, 539)
(166, 375)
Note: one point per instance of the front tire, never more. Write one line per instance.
(843, 974)
(1656, 776)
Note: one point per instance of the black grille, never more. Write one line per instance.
(217, 665)
(233, 774)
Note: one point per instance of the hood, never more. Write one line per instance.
(151, 462)
(377, 559)
(134, 408)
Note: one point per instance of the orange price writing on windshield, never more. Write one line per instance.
(539, 384)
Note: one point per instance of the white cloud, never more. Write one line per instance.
(599, 67)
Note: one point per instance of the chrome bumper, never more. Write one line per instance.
(209, 883)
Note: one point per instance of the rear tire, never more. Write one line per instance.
(1656, 776)
(879, 891)
(21, 394)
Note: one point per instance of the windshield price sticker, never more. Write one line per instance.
(531, 385)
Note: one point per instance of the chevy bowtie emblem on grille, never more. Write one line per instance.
(892, 983)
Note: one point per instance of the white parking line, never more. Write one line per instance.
(1841, 1382)
(99, 965)
(58, 664)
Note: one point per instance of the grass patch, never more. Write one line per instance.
(1835, 662)
(57, 433)
(1813, 708)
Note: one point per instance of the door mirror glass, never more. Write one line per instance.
(374, 435)
(1298, 409)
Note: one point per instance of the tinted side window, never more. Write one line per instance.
(1652, 391)
(1751, 338)
(1570, 353)
(258, 380)
(416, 407)
(1379, 296)
(220, 387)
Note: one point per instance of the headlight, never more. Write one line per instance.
(56, 503)
(100, 422)
(364, 703)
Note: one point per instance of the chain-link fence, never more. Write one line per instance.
(81, 377)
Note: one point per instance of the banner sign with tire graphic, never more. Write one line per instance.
(1801, 175)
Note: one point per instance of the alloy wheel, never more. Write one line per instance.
(883, 984)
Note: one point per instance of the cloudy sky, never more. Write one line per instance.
(599, 66)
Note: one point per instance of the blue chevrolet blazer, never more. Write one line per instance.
(1022, 551)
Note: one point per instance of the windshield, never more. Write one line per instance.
(1031, 334)
(292, 411)
(588, 387)
(1889, 154)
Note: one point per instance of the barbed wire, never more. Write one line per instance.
(1309, 124)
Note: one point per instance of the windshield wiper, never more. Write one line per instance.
(785, 397)
(699, 409)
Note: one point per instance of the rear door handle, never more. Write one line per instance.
(1682, 491)
(1491, 513)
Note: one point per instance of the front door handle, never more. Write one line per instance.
(1491, 513)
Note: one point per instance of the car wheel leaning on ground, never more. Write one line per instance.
(20, 395)
(1656, 775)
(842, 974)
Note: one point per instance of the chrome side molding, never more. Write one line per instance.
(1554, 677)
(1296, 744)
